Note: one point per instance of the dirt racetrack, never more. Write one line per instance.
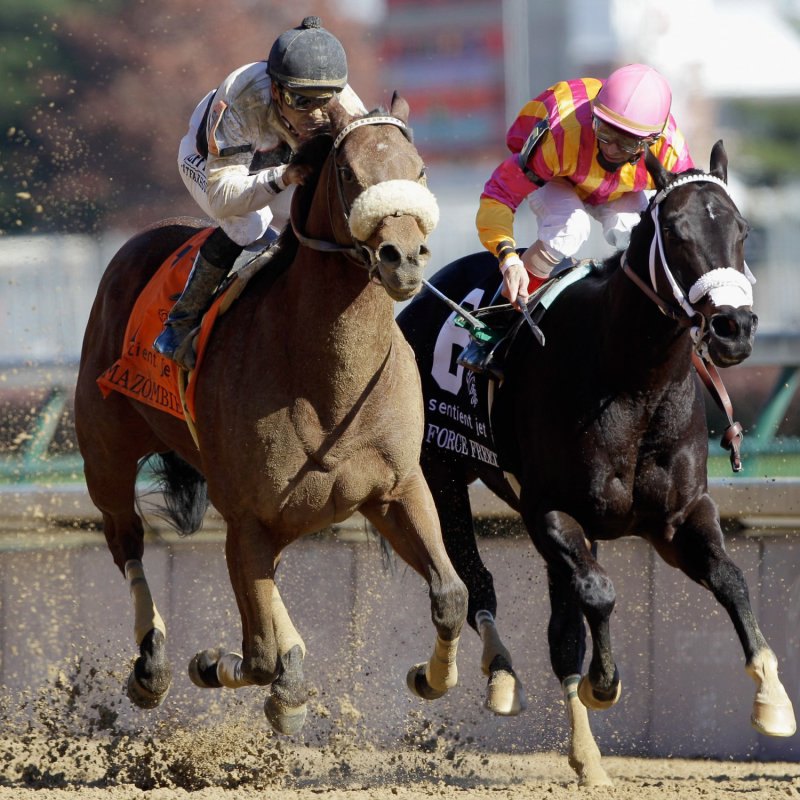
(74, 739)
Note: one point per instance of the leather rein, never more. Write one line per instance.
(684, 313)
(362, 255)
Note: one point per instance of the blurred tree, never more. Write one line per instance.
(98, 94)
(768, 133)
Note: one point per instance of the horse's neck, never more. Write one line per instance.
(341, 324)
(640, 338)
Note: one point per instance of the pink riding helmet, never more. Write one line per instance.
(636, 99)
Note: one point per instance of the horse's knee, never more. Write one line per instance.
(449, 608)
(596, 593)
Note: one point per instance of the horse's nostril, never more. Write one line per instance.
(389, 255)
(724, 327)
(424, 252)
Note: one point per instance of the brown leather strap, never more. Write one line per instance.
(732, 438)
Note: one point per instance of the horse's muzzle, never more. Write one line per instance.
(730, 335)
(400, 274)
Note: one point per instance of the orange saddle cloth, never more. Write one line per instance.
(142, 373)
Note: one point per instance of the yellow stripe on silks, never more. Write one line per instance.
(495, 223)
(441, 671)
(146, 616)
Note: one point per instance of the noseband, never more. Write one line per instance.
(388, 198)
(725, 279)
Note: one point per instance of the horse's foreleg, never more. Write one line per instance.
(408, 520)
(286, 707)
(566, 636)
(151, 675)
(272, 650)
(578, 585)
(698, 549)
(584, 754)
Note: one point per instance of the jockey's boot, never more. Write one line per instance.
(480, 357)
(174, 341)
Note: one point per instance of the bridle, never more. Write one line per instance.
(684, 312)
(359, 252)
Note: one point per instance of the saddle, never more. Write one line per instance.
(144, 374)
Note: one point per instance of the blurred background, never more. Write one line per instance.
(96, 94)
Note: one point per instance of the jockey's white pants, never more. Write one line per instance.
(565, 220)
(243, 229)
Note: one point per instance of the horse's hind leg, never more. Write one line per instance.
(504, 692)
(408, 520)
(112, 488)
(698, 549)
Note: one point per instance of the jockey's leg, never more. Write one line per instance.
(213, 262)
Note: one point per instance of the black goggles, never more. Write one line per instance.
(628, 144)
(304, 102)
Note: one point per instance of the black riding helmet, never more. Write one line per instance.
(308, 58)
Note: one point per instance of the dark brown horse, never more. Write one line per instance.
(308, 410)
(598, 434)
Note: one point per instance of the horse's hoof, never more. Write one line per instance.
(418, 684)
(596, 776)
(774, 720)
(142, 697)
(203, 668)
(597, 702)
(504, 694)
(287, 721)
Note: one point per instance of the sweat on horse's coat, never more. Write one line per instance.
(329, 423)
(604, 429)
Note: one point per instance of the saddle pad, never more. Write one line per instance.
(141, 372)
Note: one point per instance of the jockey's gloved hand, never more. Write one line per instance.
(515, 278)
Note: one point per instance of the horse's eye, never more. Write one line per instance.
(423, 177)
(347, 174)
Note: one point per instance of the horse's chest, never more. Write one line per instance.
(637, 459)
(312, 464)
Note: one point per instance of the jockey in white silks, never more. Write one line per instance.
(234, 159)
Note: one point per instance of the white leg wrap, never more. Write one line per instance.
(286, 635)
(441, 671)
(229, 671)
(146, 616)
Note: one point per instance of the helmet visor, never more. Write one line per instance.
(607, 134)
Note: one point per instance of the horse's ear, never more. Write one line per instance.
(337, 114)
(719, 161)
(400, 107)
(657, 170)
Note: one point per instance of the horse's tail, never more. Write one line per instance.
(183, 491)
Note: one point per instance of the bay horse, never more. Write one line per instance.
(597, 434)
(308, 409)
